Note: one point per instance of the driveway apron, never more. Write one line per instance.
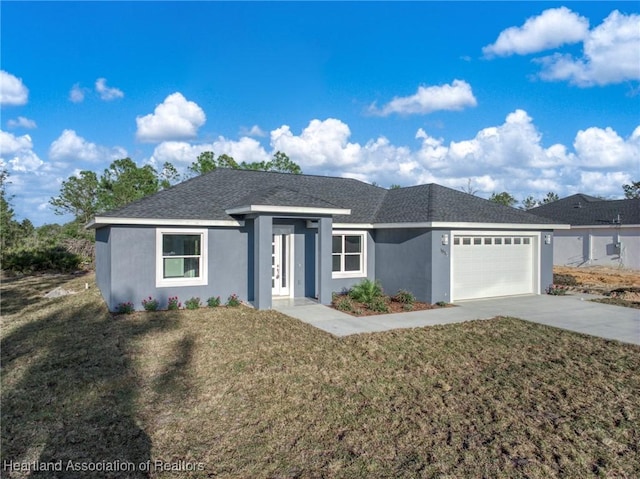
(572, 312)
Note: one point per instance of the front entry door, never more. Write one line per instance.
(280, 265)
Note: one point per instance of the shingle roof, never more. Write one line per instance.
(583, 210)
(433, 202)
(207, 197)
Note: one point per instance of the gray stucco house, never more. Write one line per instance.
(602, 233)
(266, 235)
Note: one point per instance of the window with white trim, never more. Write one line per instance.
(181, 257)
(348, 256)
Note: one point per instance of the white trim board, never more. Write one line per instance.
(243, 210)
(100, 221)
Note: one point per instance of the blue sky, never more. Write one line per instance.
(527, 97)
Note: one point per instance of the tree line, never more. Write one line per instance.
(85, 195)
(27, 249)
(505, 198)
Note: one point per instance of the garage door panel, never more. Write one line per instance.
(486, 267)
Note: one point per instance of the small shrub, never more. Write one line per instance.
(366, 291)
(125, 308)
(150, 304)
(404, 297)
(441, 304)
(173, 304)
(557, 290)
(565, 280)
(408, 307)
(192, 303)
(233, 300)
(343, 303)
(213, 302)
(379, 305)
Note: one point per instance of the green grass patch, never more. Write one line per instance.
(245, 393)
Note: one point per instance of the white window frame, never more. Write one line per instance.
(362, 272)
(202, 280)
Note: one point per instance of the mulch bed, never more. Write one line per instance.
(361, 309)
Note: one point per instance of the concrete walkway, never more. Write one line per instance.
(572, 312)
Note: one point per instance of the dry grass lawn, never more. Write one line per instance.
(241, 393)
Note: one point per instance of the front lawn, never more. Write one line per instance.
(240, 393)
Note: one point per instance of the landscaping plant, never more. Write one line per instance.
(366, 291)
(192, 303)
(125, 308)
(150, 304)
(233, 300)
(213, 302)
(173, 303)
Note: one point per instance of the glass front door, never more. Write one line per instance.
(280, 265)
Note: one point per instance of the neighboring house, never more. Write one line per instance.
(603, 232)
(265, 235)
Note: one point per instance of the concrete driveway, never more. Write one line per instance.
(573, 312)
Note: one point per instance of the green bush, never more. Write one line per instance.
(343, 303)
(213, 302)
(192, 303)
(404, 297)
(173, 304)
(125, 308)
(379, 305)
(366, 291)
(150, 304)
(233, 300)
(557, 290)
(23, 259)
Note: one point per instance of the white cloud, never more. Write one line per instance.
(322, 143)
(71, 147)
(428, 99)
(182, 154)
(12, 90)
(507, 157)
(17, 152)
(601, 183)
(552, 28)
(21, 122)
(77, 93)
(610, 55)
(604, 148)
(107, 93)
(174, 119)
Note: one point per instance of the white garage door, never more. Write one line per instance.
(489, 266)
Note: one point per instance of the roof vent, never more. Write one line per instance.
(578, 205)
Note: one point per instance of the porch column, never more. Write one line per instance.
(262, 240)
(325, 227)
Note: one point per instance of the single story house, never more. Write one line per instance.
(603, 232)
(265, 235)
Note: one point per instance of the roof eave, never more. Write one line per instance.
(302, 210)
(101, 221)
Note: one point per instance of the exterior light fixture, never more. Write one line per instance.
(444, 239)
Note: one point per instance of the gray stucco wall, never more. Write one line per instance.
(103, 263)
(440, 277)
(598, 247)
(132, 260)
(546, 261)
(403, 261)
